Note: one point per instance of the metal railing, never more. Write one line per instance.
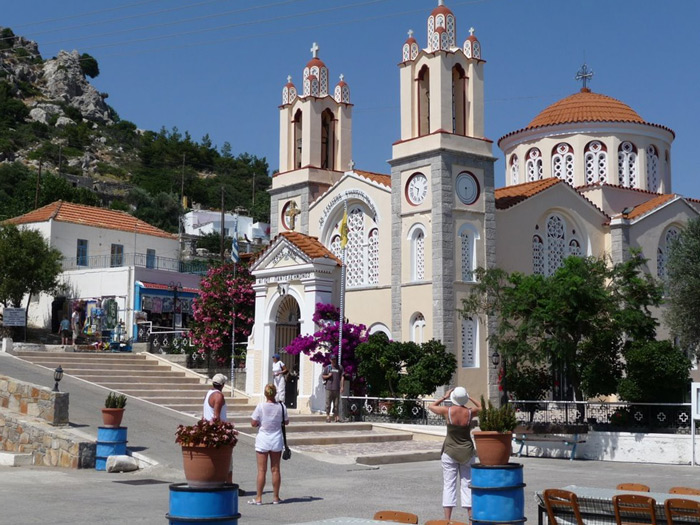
(391, 410)
(639, 417)
(141, 260)
(163, 341)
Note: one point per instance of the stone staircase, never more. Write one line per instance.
(147, 377)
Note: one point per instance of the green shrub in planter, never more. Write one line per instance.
(501, 419)
(115, 400)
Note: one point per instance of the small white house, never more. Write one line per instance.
(203, 222)
(116, 268)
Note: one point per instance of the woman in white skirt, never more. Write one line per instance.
(269, 418)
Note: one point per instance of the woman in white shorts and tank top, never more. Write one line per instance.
(268, 417)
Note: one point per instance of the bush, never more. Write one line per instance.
(115, 400)
(89, 66)
(501, 419)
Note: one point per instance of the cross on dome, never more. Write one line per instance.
(314, 50)
(342, 77)
(471, 31)
(410, 33)
(584, 74)
(441, 2)
(289, 79)
(351, 165)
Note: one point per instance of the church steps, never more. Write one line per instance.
(332, 438)
(123, 381)
(322, 427)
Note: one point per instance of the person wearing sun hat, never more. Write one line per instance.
(458, 452)
(214, 402)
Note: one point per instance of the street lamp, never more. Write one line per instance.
(495, 358)
(175, 287)
(495, 361)
(57, 376)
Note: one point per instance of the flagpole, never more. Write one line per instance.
(234, 258)
(342, 311)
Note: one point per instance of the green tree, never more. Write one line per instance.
(89, 66)
(682, 285)
(403, 369)
(28, 265)
(657, 372)
(572, 321)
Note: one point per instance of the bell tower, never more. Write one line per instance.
(442, 182)
(315, 144)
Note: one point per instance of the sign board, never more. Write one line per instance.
(14, 317)
(695, 400)
(111, 313)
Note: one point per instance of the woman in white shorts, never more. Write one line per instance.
(269, 417)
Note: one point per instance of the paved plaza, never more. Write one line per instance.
(313, 488)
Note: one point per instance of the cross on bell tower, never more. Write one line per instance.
(314, 50)
(585, 75)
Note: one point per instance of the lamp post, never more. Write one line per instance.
(495, 361)
(175, 287)
(57, 376)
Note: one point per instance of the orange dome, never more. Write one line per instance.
(585, 106)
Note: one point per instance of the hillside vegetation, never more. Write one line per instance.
(57, 128)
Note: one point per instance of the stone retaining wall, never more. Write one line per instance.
(32, 400)
(50, 446)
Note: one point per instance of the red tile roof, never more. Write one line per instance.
(648, 206)
(311, 246)
(512, 195)
(61, 211)
(375, 177)
(158, 286)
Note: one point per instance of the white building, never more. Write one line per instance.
(202, 222)
(113, 262)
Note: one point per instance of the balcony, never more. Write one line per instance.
(141, 260)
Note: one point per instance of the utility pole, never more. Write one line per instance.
(60, 158)
(38, 183)
(221, 250)
(182, 182)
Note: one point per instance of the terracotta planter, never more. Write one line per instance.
(493, 448)
(112, 417)
(206, 467)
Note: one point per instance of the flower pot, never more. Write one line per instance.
(112, 417)
(206, 467)
(493, 448)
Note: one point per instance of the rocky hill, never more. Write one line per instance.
(52, 119)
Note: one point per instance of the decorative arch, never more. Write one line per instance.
(470, 343)
(514, 169)
(596, 160)
(627, 165)
(459, 100)
(558, 241)
(417, 325)
(379, 327)
(652, 168)
(563, 162)
(533, 165)
(298, 141)
(327, 140)
(416, 237)
(423, 85)
(670, 234)
(468, 236)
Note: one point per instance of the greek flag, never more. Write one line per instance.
(235, 256)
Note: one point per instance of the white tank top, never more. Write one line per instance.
(208, 410)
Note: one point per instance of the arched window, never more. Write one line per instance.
(470, 354)
(459, 81)
(373, 256)
(335, 246)
(327, 140)
(424, 101)
(416, 237)
(379, 327)
(596, 159)
(417, 328)
(514, 169)
(354, 256)
(563, 162)
(560, 241)
(667, 239)
(533, 165)
(627, 165)
(297, 139)
(652, 168)
(467, 237)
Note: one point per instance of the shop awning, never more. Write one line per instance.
(157, 286)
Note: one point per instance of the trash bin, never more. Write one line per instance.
(290, 391)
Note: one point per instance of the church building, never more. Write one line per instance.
(587, 176)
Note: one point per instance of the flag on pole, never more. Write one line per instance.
(235, 256)
(344, 230)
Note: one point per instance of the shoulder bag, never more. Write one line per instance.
(287, 452)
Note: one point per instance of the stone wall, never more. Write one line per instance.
(32, 400)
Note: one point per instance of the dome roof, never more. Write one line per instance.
(585, 106)
(441, 9)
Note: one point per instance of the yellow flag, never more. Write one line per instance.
(344, 231)
(184, 201)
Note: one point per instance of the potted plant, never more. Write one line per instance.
(206, 451)
(494, 439)
(113, 412)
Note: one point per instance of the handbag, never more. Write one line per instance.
(287, 452)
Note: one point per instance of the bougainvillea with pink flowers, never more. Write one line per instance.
(323, 344)
(222, 296)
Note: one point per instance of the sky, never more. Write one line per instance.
(217, 67)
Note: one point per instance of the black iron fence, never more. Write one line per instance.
(620, 417)
(391, 410)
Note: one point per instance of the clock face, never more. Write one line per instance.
(467, 188)
(417, 188)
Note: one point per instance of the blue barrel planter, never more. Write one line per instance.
(497, 494)
(111, 441)
(190, 506)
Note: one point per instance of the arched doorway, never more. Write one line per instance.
(287, 328)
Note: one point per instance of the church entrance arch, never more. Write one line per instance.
(287, 328)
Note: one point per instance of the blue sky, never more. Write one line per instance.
(218, 66)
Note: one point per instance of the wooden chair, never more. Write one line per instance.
(444, 522)
(636, 487)
(687, 510)
(557, 500)
(685, 490)
(634, 509)
(396, 516)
